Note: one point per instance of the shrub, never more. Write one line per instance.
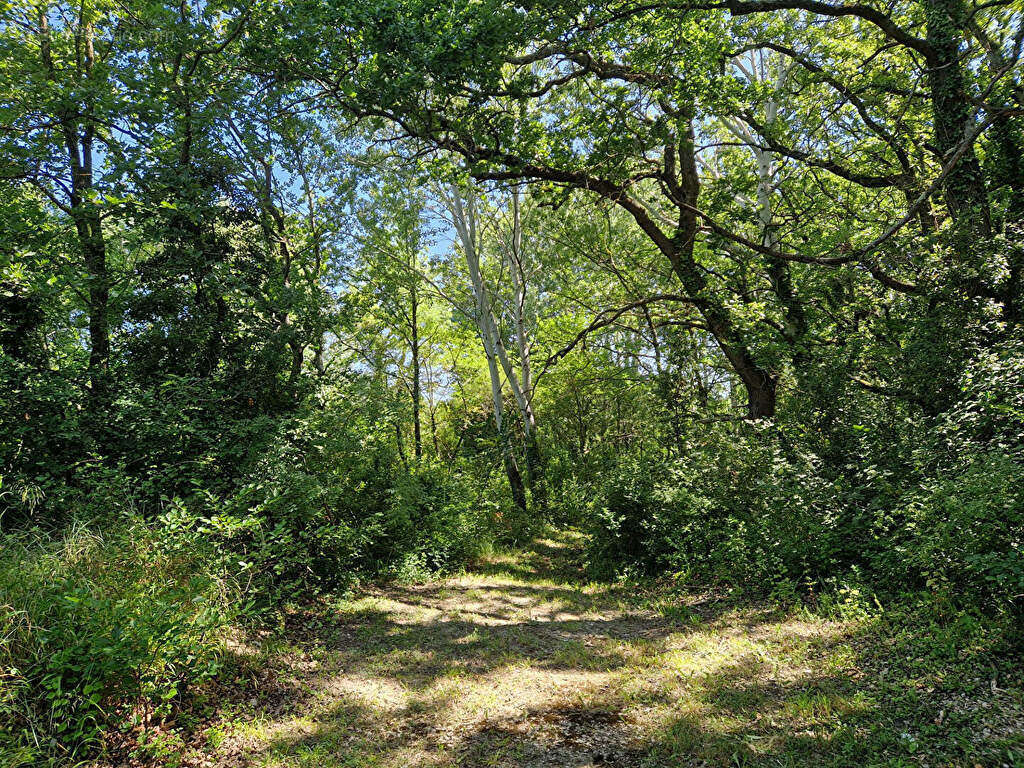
(963, 529)
(437, 515)
(966, 529)
(333, 501)
(735, 508)
(943, 510)
(99, 629)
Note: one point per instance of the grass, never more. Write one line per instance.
(521, 662)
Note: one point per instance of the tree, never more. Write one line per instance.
(462, 206)
(636, 91)
(394, 240)
(65, 104)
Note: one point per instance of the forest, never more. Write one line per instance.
(511, 383)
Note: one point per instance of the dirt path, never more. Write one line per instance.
(519, 663)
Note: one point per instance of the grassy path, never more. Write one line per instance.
(519, 663)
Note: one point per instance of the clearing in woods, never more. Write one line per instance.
(521, 662)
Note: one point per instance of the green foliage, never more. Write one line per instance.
(688, 516)
(965, 523)
(967, 529)
(101, 629)
(113, 625)
(745, 507)
(735, 288)
(329, 503)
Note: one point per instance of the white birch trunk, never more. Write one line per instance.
(465, 220)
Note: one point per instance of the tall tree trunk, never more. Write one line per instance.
(964, 187)
(414, 335)
(297, 352)
(319, 361)
(432, 411)
(761, 386)
(515, 479)
(779, 272)
(87, 224)
(465, 226)
(1005, 161)
(312, 222)
(78, 129)
(534, 464)
(275, 228)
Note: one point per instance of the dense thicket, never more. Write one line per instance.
(297, 294)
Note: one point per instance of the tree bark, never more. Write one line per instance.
(964, 188)
(761, 386)
(465, 225)
(534, 464)
(414, 335)
(78, 131)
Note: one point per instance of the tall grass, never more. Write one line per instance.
(98, 628)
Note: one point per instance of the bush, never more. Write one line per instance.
(112, 623)
(735, 509)
(966, 530)
(942, 510)
(964, 526)
(331, 502)
(437, 515)
(98, 629)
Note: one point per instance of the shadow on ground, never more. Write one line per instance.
(522, 663)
